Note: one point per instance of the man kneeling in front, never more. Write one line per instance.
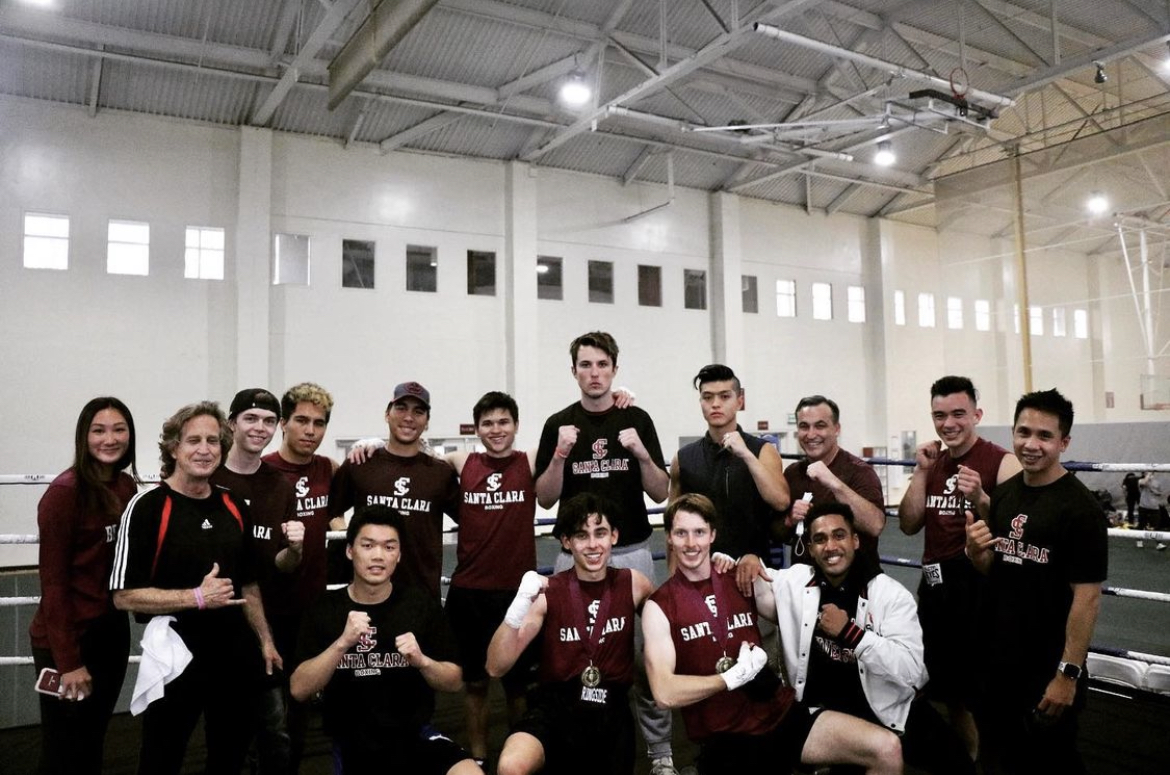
(704, 655)
(378, 652)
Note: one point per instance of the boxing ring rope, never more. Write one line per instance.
(335, 535)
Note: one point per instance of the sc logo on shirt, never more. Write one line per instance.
(494, 481)
(402, 486)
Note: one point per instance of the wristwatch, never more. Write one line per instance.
(1069, 670)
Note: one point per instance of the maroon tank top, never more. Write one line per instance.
(497, 506)
(945, 522)
(688, 607)
(564, 652)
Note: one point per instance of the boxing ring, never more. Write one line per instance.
(1109, 666)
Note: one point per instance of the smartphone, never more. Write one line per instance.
(49, 682)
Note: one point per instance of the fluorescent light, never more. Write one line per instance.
(885, 154)
(542, 268)
(575, 92)
(1097, 204)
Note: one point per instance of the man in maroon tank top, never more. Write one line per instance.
(956, 473)
(704, 654)
(579, 719)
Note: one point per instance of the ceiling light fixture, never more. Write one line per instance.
(1100, 77)
(1097, 204)
(575, 91)
(885, 154)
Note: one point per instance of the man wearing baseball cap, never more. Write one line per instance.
(418, 486)
(277, 538)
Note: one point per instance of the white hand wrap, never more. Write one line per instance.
(750, 662)
(530, 586)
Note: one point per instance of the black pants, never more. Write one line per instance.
(1014, 740)
(222, 683)
(73, 734)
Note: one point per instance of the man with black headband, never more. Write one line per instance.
(741, 474)
(278, 540)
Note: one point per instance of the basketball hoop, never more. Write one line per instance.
(959, 83)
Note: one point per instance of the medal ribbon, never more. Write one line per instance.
(590, 640)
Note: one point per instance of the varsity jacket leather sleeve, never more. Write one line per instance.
(889, 655)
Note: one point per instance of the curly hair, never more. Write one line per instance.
(172, 432)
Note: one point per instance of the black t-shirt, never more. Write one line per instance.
(199, 532)
(833, 680)
(1049, 538)
(599, 464)
(374, 695)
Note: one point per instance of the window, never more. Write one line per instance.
(954, 312)
(856, 298)
(549, 284)
(694, 289)
(899, 308)
(982, 315)
(601, 282)
(1081, 323)
(481, 273)
(1058, 322)
(750, 294)
(1036, 321)
(203, 257)
(786, 298)
(357, 263)
(291, 262)
(128, 250)
(822, 301)
(422, 269)
(926, 310)
(649, 286)
(46, 241)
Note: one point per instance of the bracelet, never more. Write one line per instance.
(200, 603)
(560, 454)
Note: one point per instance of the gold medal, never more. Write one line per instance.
(591, 677)
(724, 664)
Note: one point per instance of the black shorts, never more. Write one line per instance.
(951, 637)
(475, 615)
(579, 739)
(426, 753)
(734, 753)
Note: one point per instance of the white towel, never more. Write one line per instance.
(164, 658)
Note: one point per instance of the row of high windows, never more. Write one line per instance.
(46, 246)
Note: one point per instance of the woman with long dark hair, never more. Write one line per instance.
(76, 629)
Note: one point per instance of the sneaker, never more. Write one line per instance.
(663, 766)
(1140, 544)
(1161, 547)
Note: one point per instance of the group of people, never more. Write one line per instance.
(226, 562)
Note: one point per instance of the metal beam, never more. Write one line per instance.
(891, 68)
(716, 49)
(1010, 32)
(1046, 75)
(382, 30)
(843, 198)
(421, 129)
(308, 53)
(632, 171)
(95, 86)
(284, 30)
